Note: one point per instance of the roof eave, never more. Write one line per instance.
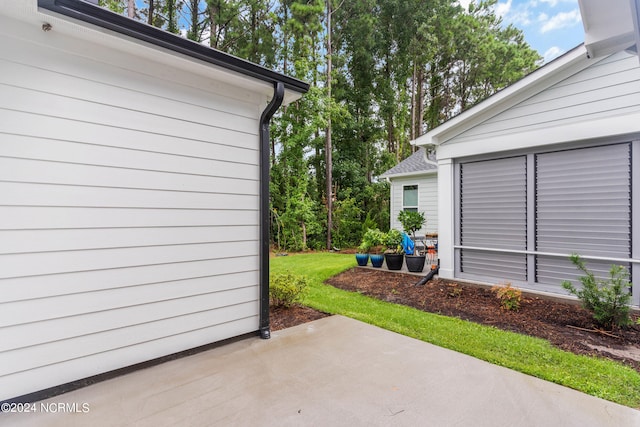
(101, 17)
(610, 27)
(519, 91)
(635, 16)
(409, 174)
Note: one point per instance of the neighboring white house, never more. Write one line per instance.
(544, 168)
(414, 186)
(133, 193)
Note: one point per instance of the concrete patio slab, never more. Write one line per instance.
(332, 372)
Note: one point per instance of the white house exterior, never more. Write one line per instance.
(414, 186)
(610, 26)
(544, 168)
(132, 187)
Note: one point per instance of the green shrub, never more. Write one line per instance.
(411, 221)
(371, 239)
(509, 297)
(347, 223)
(608, 300)
(455, 290)
(393, 241)
(368, 223)
(286, 289)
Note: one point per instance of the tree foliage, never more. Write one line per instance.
(398, 69)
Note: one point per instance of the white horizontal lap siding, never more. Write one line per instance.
(427, 200)
(608, 88)
(129, 211)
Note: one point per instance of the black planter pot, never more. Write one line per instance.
(394, 261)
(415, 263)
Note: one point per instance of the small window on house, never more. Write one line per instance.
(410, 198)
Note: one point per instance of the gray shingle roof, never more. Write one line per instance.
(414, 164)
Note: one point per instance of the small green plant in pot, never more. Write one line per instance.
(394, 254)
(369, 248)
(362, 256)
(608, 300)
(413, 221)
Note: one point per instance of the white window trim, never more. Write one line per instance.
(417, 206)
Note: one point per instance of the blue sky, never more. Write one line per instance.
(552, 27)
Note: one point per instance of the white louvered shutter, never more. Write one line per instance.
(493, 214)
(583, 205)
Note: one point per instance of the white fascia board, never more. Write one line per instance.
(608, 26)
(410, 174)
(545, 76)
(243, 87)
(603, 128)
(635, 17)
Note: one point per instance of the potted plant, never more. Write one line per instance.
(371, 241)
(394, 254)
(362, 256)
(413, 221)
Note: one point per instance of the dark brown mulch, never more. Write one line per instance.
(565, 325)
(281, 318)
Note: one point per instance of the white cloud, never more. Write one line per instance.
(503, 8)
(551, 53)
(562, 20)
(465, 3)
(520, 18)
(518, 15)
(554, 3)
(543, 17)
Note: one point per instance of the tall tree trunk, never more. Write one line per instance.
(172, 16)
(413, 103)
(131, 9)
(304, 236)
(151, 12)
(328, 145)
(213, 25)
(420, 102)
(194, 33)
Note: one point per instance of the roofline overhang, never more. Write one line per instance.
(545, 76)
(409, 174)
(635, 17)
(610, 27)
(101, 17)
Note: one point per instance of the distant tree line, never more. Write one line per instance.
(382, 73)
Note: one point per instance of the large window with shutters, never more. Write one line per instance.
(493, 218)
(521, 217)
(583, 205)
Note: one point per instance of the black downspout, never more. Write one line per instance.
(265, 162)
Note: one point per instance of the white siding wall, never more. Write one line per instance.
(608, 88)
(427, 200)
(129, 221)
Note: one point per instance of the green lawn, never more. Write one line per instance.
(533, 356)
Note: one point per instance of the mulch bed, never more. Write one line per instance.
(282, 318)
(565, 325)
